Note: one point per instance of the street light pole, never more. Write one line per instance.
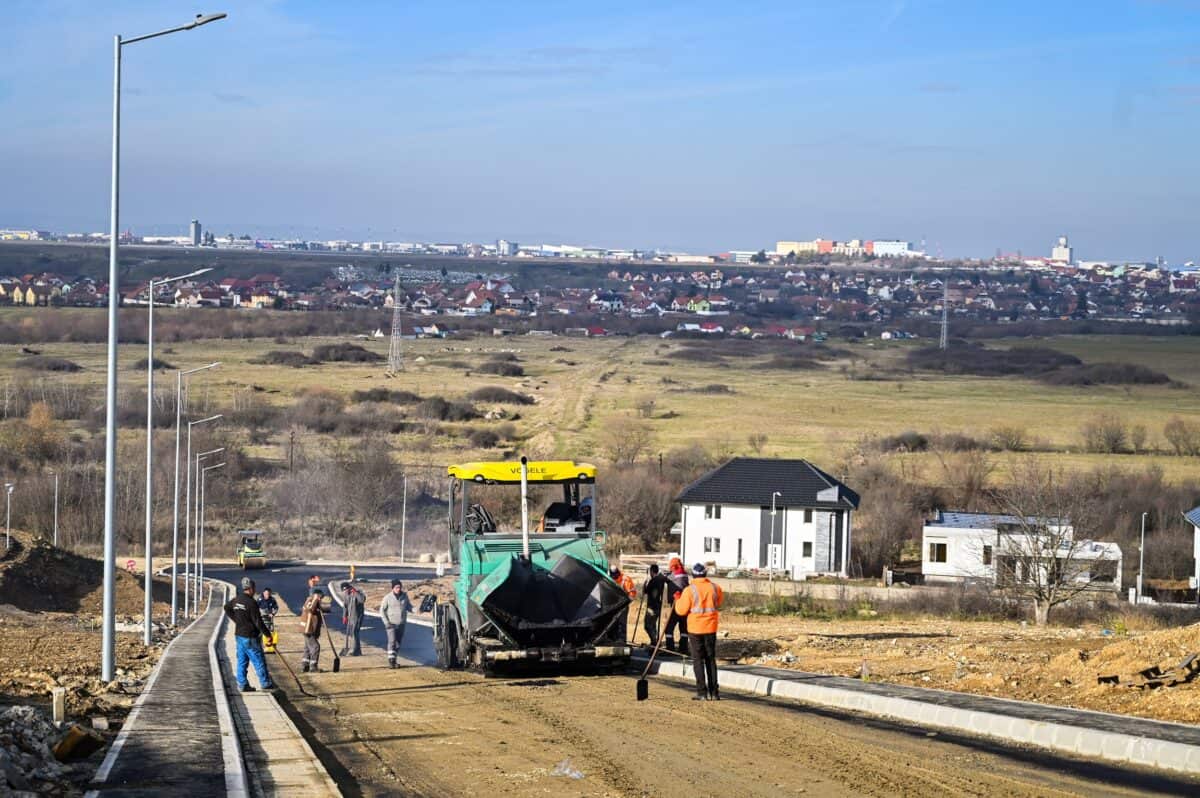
(196, 548)
(8, 489)
(148, 604)
(1141, 558)
(179, 375)
(109, 624)
(187, 542)
(203, 488)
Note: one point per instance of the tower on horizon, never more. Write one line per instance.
(1063, 252)
(196, 232)
(395, 352)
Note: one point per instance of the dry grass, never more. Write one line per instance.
(810, 413)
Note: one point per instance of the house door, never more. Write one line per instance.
(739, 559)
(775, 556)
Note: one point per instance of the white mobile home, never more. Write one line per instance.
(992, 548)
(758, 513)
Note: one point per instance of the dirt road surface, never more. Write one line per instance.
(418, 731)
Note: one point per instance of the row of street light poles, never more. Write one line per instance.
(108, 626)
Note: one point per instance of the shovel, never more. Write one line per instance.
(637, 619)
(337, 661)
(283, 659)
(643, 686)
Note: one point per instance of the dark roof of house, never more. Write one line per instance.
(1193, 515)
(754, 480)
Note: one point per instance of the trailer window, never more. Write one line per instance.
(987, 555)
(937, 552)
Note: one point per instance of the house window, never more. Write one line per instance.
(806, 549)
(987, 555)
(808, 516)
(712, 545)
(937, 552)
(712, 511)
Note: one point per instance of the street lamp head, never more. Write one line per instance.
(204, 19)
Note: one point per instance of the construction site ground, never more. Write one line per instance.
(416, 730)
(1050, 665)
(50, 604)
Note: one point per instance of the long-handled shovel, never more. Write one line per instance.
(337, 661)
(637, 619)
(283, 659)
(643, 686)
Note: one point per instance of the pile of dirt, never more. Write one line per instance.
(38, 577)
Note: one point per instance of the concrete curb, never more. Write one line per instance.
(231, 746)
(314, 760)
(1092, 743)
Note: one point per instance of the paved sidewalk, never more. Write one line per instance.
(1121, 738)
(178, 739)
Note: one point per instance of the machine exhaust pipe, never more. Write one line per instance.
(525, 507)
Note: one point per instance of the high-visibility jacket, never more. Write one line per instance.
(699, 601)
(626, 582)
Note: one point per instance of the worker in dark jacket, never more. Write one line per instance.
(267, 604)
(679, 580)
(653, 590)
(353, 607)
(248, 629)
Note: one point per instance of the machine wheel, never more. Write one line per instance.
(445, 637)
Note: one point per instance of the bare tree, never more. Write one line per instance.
(757, 441)
(625, 439)
(1040, 553)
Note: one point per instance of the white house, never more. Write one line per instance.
(1193, 517)
(758, 513)
(967, 547)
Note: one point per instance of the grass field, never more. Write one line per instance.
(582, 385)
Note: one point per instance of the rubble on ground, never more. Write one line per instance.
(27, 762)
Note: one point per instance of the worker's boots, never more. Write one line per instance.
(304, 668)
(391, 662)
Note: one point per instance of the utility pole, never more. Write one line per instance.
(56, 509)
(945, 342)
(403, 518)
(395, 350)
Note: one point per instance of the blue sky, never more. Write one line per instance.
(700, 126)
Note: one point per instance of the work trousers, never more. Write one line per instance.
(395, 633)
(651, 624)
(681, 621)
(704, 662)
(250, 650)
(312, 651)
(353, 645)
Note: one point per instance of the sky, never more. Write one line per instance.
(700, 126)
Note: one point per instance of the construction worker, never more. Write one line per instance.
(653, 590)
(248, 629)
(700, 602)
(353, 609)
(312, 620)
(394, 611)
(679, 580)
(267, 604)
(626, 584)
(314, 582)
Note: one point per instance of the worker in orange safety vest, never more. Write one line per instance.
(700, 602)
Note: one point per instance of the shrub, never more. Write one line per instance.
(909, 441)
(384, 395)
(505, 357)
(1106, 374)
(793, 361)
(1182, 436)
(440, 409)
(159, 365)
(483, 438)
(345, 353)
(1009, 438)
(1105, 434)
(980, 361)
(47, 363)
(495, 393)
(319, 410)
(280, 357)
(501, 368)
